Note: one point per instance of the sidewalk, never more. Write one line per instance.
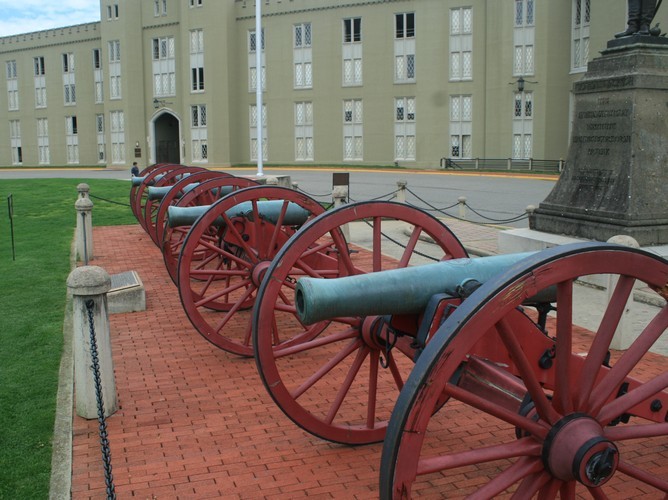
(196, 422)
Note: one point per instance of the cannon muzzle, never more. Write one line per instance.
(138, 181)
(397, 291)
(269, 210)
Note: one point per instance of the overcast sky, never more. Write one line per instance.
(22, 16)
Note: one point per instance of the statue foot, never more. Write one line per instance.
(631, 30)
(644, 30)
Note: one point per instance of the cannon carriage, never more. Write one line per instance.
(566, 412)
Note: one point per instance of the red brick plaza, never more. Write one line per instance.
(196, 422)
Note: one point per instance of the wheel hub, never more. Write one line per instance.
(258, 272)
(575, 449)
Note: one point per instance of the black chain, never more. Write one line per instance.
(109, 201)
(104, 442)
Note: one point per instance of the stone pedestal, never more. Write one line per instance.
(616, 175)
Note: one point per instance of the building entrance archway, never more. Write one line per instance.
(167, 138)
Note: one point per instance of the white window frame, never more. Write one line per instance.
(15, 142)
(98, 77)
(115, 80)
(43, 153)
(40, 82)
(196, 3)
(352, 52)
(12, 86)
(524, 38)
(163, 55)
(101, 141)
(523, 113)
(198, 133)
(461, 126)
(405, 139)
(302, 39)
(304, 148)
(197, 61)
(353, 130)
(252, 62)
(117, 135)
(461, 44)
(71, 140)
(253, 132)
(404, 48)
(159, 8)
(581, 21)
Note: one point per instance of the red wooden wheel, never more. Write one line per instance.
(543, 415)
(142, 190)
(329, 377)
(159, 207)
(134, 187)
(236, 258)
(206, 193)
(150, 205)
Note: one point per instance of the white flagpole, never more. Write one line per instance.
(258, 83)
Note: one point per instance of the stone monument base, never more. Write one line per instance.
(127, 293)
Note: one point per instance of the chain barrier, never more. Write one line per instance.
(109, 201)
(104, 442)
(315, 195)
(399, 244)
(392, 195)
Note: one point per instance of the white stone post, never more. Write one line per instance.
(83, 190)
(295, 186)
(84, 231)
(340, 197)
(401, 191)
(89, 286)
(462, 207)
(624, 335)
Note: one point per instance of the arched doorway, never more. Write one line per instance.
(166, 136)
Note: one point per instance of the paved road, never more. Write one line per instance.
(498, 197)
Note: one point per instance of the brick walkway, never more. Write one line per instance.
(196, 422)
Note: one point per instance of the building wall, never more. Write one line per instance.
(228, 98)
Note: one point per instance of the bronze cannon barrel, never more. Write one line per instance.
(137, 181)
(269, 210)
(397, 291)
(159, 192)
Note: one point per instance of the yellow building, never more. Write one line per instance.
(345, 82)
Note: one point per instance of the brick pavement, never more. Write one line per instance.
(196, 422)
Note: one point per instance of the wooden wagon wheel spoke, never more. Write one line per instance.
(315, 343)
(623, 404)
(410, 246)
(636, 431)
(531, 485)
(633, 471)
(517, 472)
(354, 369)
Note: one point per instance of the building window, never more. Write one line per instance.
(404, 128)
(523, 38)
(196, 3)
(303, 67)
(70, 94)
(115, 69)
(164, 67)
(580, 47)
(68, 63)
(198, 133)
(99, 124)
(353, 138)
(461, 117)
(40, 82)
(523, 125)
(352, 51)
(303, 131)
(112, 12)
(117, 135)
(252, 62)
(12, 86)
(254, 132)
(461, 44)
(197, 60)
(15, 142)
(43, 141)
(69, 87)
(98, 77)
(404, 48)
(71, 139)
(159, 7)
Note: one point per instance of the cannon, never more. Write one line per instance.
(205, 193)
(136, 182)
(382, 366)
(225, 253)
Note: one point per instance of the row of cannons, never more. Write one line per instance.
(358, 339)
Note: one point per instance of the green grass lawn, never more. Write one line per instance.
(32, 308)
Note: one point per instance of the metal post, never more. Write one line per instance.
(258, 84)
(10, 210)
(91, 283)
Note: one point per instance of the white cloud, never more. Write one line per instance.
(35, 15)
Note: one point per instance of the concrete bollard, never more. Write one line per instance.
(84, 231)
(89, 286)
(340, 197)
(271, 181)
(462, 207)
(83, 190)
(295, 186)
(624, 334)
(401, 191)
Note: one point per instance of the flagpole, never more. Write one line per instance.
(258, 83)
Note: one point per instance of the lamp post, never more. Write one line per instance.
(258, 83)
